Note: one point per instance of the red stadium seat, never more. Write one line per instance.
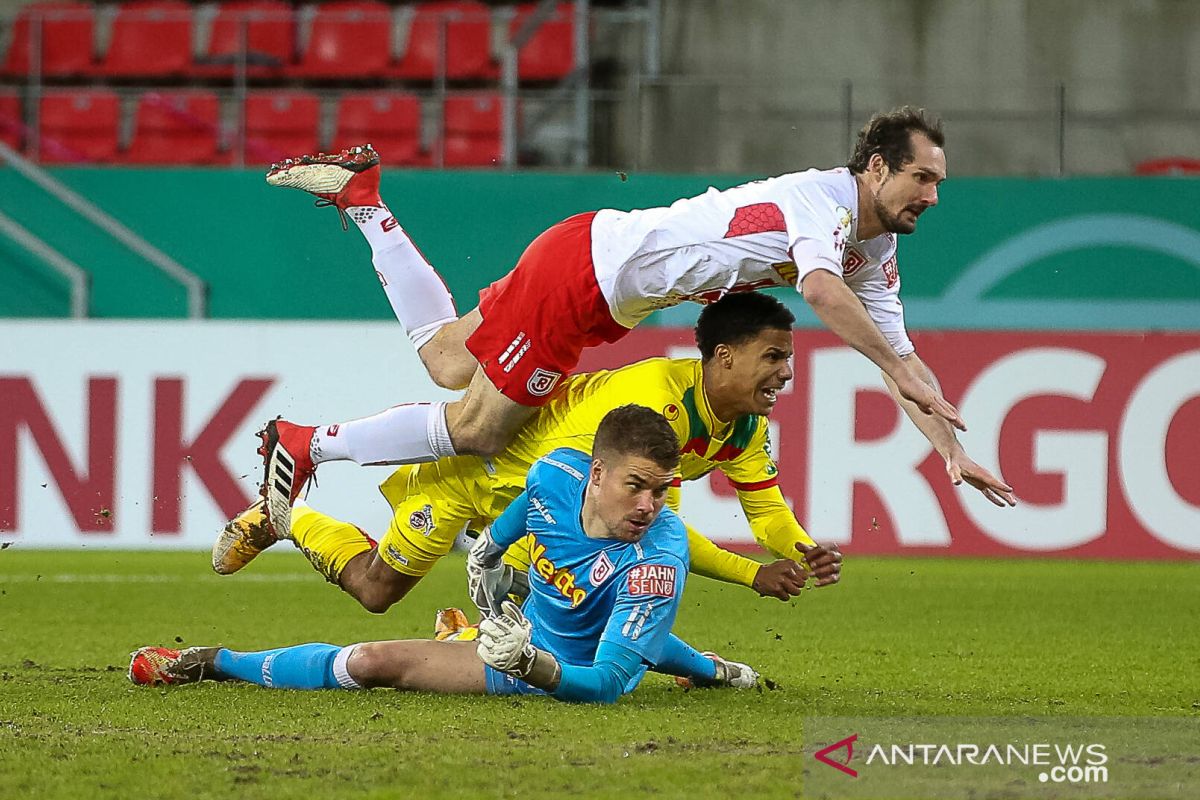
(79, 126)
(472, 131)
(1168, 166)
(391, 122)
(468, 43)
(281, 124)
(150, 39)
(12, 126)
(347, 40)
(175, 128)
(270, 38)
(549, 55)
(66, 32)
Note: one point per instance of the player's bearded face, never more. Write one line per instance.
(626, 494)
(904, 195)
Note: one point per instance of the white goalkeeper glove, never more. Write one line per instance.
(504, 641)
(505, 644)
(489, 579)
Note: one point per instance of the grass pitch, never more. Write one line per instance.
(899, 637)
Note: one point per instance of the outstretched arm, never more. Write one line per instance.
(843, 313)
(959, 466)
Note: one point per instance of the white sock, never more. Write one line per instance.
(405, 434)
(328, 444)
(339, 668)
(418, 295)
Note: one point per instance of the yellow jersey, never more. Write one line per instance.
(740, 449)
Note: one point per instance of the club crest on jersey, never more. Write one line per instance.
(671, 412)
(655, 580)
(852, 261)
(600, 570)
(542, 381)
(421, 520)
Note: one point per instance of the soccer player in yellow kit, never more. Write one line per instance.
(717, 406)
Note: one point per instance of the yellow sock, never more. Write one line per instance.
(326, 542)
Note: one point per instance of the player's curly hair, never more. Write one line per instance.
(889, 134)
(633, 430)
(739, 317)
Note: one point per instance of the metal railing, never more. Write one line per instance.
(196, 289)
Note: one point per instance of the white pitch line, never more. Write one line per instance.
(111, 578)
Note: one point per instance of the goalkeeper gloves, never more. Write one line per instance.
(490, 580)
(505, 643)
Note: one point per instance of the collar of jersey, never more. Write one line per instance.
(717, 430)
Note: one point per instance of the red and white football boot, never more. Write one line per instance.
(288, 467)
(159, 666)
(345, 180)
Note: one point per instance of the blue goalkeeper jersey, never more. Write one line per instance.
(585, 591)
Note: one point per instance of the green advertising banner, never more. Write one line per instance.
(998, 253)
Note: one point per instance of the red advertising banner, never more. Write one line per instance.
(1099, 434)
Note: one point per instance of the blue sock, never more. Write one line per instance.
(680, 658)
(304, 666)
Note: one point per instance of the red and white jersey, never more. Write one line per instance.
(771, 232)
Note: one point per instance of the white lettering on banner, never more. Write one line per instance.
(888, 464)
(1080, 456)
(141, 434)
(1143, 463)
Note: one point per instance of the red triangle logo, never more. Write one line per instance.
(848, 744)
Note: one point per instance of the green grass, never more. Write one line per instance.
(899, 637)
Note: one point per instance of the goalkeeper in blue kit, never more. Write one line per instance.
(608, 571)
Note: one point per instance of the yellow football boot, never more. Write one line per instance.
(240, 541)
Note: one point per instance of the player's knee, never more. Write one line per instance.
(377, 596)
(472, 438)
(448, 374)
(372, 665)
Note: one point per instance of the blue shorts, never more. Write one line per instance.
(501, 683)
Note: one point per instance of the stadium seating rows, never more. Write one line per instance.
(185, 127)
(345, 40)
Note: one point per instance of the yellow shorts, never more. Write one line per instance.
(433, 503)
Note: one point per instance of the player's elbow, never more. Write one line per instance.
(819, 290)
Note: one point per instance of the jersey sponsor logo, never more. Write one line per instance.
(389, 224)
(541, 381)
(656, 580)
(891, 272)
(756, 218)
(541, 509)
(671, 412)
(600, 570)
(395, 554)
(787, 271)
(421, 520)
(332, 430)
(561, 579)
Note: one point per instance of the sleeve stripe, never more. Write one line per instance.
(754, 487)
